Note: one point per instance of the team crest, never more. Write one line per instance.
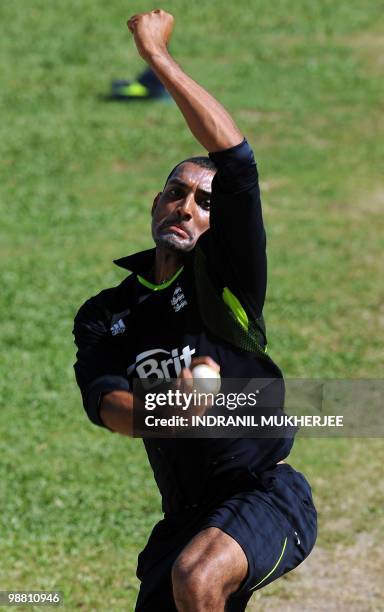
(178, 300)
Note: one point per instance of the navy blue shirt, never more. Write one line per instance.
(133, 330)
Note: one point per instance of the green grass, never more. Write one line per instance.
(304, 81)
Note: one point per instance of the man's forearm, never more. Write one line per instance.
(208, 121)
(116, 409)
(116, 412)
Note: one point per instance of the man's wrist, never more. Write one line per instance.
(155, 55)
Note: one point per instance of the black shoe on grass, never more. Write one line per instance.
(146, 87)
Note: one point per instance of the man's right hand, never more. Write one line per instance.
(151, 32)
(185, 383)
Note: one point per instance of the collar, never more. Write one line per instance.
(139, 263)
(142, 263)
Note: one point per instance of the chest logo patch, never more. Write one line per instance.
(178, 300)
(118, 328)
(160, 364)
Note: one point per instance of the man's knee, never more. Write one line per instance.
(195, 585)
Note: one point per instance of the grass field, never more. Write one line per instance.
(305, 82)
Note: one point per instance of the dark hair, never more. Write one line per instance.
(203, 162)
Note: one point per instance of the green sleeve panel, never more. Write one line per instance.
(234, 304)
(223, 313)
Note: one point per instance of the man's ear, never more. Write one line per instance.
(155, 201)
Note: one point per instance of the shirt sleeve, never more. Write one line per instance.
(98, 368)
(236, 242)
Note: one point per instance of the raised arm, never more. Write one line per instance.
(207, 119)
(237, 236)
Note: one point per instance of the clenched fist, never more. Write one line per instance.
(151, 31)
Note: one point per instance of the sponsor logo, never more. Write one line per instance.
(118, 328)
(157, 368)
(178, 300)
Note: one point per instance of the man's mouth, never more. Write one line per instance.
(177, 229)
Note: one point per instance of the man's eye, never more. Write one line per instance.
(174, 192)
(206, 204)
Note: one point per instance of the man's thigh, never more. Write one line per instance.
(211, 557)
(212, 562)
(272, 525)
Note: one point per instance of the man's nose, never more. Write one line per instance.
(184, 210)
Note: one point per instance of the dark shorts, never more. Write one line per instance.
(274, 523)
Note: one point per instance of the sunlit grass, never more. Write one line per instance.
(77, 180)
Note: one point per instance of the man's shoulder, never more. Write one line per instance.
(102, 305)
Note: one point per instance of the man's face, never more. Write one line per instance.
(180, 213)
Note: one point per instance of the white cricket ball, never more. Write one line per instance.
(206, 379)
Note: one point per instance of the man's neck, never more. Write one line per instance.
(167, 263)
